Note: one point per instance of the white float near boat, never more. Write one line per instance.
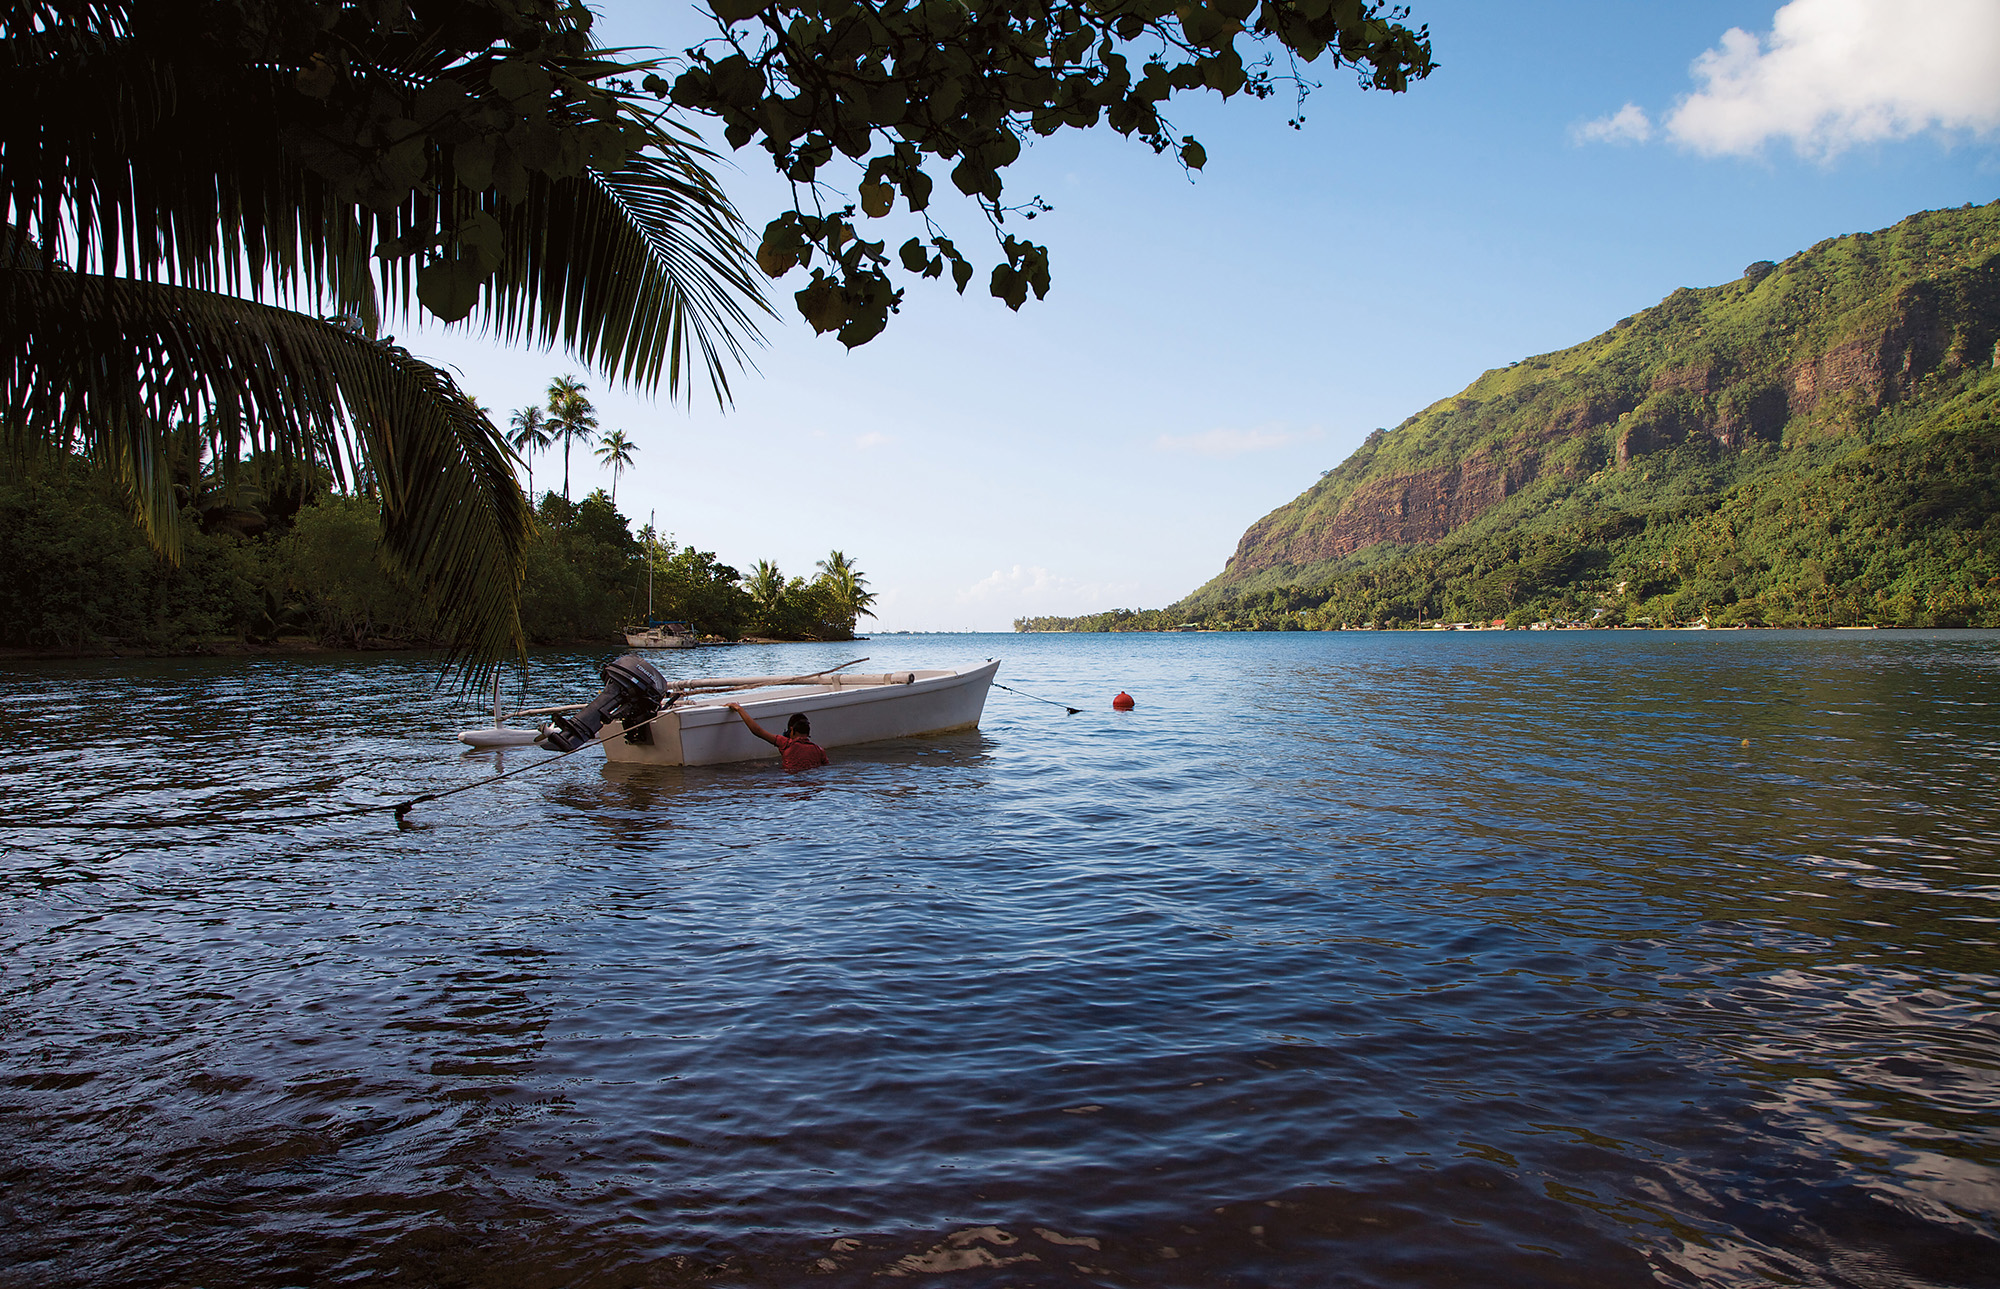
(501, 734)
(498, 736)
(696, 727)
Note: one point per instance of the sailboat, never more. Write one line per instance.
(659, 635)
(663, 635)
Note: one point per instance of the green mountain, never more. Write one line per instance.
(1812, 444)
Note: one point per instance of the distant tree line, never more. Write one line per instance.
(1901, 528)
(273, 551)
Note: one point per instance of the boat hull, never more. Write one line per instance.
(706, 732)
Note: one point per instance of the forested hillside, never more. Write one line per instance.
(1812, 444)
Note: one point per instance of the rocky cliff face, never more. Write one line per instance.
(1819, 345)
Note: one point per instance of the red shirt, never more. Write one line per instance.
(799, 753)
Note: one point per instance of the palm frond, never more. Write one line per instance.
(104, 366)
(167, 160)
(640, 272)
(152, 160)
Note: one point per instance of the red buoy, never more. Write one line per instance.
(1122, 703)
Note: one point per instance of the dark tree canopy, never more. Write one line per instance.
(483, 153)
(897, 87)
(166, 166)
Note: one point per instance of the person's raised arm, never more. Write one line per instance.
(755, 728)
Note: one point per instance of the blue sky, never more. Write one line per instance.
(1211, 344)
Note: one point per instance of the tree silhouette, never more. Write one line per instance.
(571, 418)
(615, 450)
(850, 595)
(531, 434)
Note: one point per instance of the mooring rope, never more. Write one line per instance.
(1073, 711)
(401, 808)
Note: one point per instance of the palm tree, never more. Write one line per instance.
(531, 434)
(850, 595)
(571, 417)
(615, 450)
(434, 166)
(766, 586)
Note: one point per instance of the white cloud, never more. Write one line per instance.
(1012, 581)
(1629, 124)
(1834, 74)
(1233, 443)
(1035, 589)
(872, 439)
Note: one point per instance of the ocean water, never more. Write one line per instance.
(1606, 958)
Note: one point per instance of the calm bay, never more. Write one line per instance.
(1595, 958)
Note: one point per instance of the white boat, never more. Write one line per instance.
(659, 635)
(664, 635)
(845, 709)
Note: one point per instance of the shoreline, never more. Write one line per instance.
(305, 646)
(293, 647)
(302, 647)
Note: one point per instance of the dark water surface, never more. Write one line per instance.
(1571, 959)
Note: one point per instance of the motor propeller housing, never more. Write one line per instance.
(633, 692)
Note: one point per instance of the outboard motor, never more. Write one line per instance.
(633, 692)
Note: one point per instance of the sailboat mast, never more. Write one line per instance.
(651, 515)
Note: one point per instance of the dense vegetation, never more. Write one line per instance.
(1814, 444)
(276, 554)
(209, 207)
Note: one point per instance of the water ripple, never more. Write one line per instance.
(1593, 958)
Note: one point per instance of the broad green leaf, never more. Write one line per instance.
(481, 234)
(820, 304)
(473, 159)
(449, 288)
(1010, 286)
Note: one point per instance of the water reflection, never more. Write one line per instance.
(1387, 959)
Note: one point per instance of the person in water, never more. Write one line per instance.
(796, 750)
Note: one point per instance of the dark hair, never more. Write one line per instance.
(798, 726)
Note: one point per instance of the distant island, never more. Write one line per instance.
(1813, 444)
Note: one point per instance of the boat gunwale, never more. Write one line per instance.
(714, 708)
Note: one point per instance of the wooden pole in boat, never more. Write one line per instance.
(719, 684)
(754, 682)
